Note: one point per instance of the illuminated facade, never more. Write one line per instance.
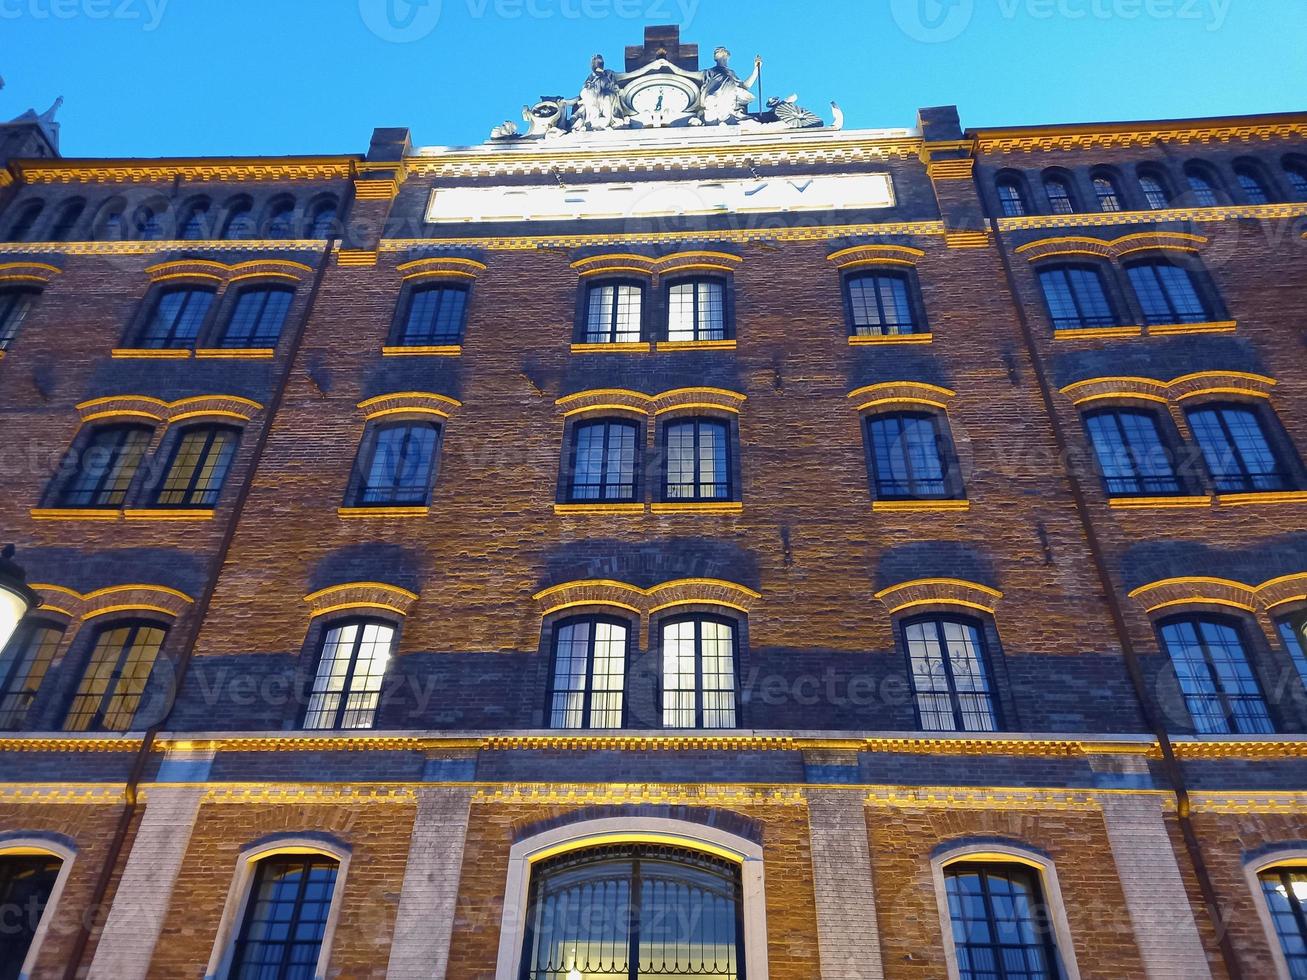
(671, 539)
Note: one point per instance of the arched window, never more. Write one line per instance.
(199, 466)
(950, 675)
(66, 220)
(1000, 922)
(196, 221)
(21, 229)
(23, 666)
(1293, 633)
(1285, 890)
(699, 668)
(27, 882)
(613, 313)
(240, 220)
(258, 317)
(696, 310)
(1295, 171)
(1107, 193)
(1237, 449)
(881, 304)
(698, 460)
(603, 462)
(286, 917)
(322, 221)
(111, 222)
(351, 668)
(1252, 182)
(1132, 456)
(1157, 194)
(105, 465)
(1167, 293)
(910, 457)
(15, 305)
(1203, 185)
(589, 673)
(146, 224)
(626, 910)
(1011, 196)
(1215, 677)
(280, 223)
(176, 317)
(1060, 198)
(115, 678)
(434, 316)
(1076, 297)
(396, 465)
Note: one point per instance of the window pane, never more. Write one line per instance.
(15, 304)
(1167, 293)
(1001, 929)
(696, 310)
(1215, 677)
(1154, 193)
(1204, 191)
(176, 318)
(115, 678)
(1297, 176)
(1285, 891)
(949, 676)
(26, 882)
(23, 666)
(1252, 186)
(589, 662)
(1059, 196)
(697, 461)
(401, 466)
(699, 674)
(106, 467)
(1076, 298)
(347, 684)
(1010, 199)
(880, 305)
(1105, 190)
(1236, 450)
(1294, 635)
(240, 223)
(603, 462)
(435, 317)
(199, 468)
(1131, 455)
(613, 314)
(907, 458)
(258, 317)
(21, 229)
(285, 919)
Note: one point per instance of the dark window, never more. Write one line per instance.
(1001, 926)
(634, 910)
(909, 458)
(106, 464)
(1060, 200)
(285, 919)
(1203, 187)
(15, 304)
(67, 220)
(434, 316)
(699, 673)
(351, 668)
(21, 229)
(323, 224)
(258, 316)
(281, 220)
(1297, 176)
(696, 310)
(589, 673)
(115, 677)
(603, 462)
(1155, 193)
(1131, 454)
(1254, 187)
(950, 675)
(111, 225)
(199, 467)
(1167, 293)
(613, 313)
(1076, 297)
(146, 225)
(698, 460)
(195, 227)
(1236, 448)
(1293, 632)
(22, 668)
(1215, 677)
(1010, 198)
(26, 882)
(240, 222)
(176, 318)
(1109, 198)
(397, 469)
(1285, 890)
(880, 303)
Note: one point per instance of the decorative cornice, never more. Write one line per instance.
(1115, 248)
(1264, 212)
(626, 400)
(409, 403)
(684, 794)
(277, 245)
(864, 255)
(1132, 135)
(62, 794)
(67, 743)
(1191, 590)
(888, 394)
(190, 170)
(360, 595)
(157, 410)
(939, 591)
(645, 602)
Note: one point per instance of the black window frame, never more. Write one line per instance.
(1165, 439)
(1242, 633)
(1212, 193)
(26, 216)
(551, 689)
(724, 281)
(15, 704)
(737, 645)
(238, 216)
(1251, 171)
(27, 883)
(728, 448)
(279, 208)
(950, 479)
(1067, 183)
(984, 658)
(912, 289)
(231, 302)
(325, 630)
(1272, 432)
(178, 439)
(307, 862)
(1164, 188)
(1107, 191)
(1053, 968)
(399, 333)
(1084, 321)
(138, 338)
(1015, 186)
(1295, 173)
(66, 219)
(16, 305)
(96, 719)
(1201, 283)
(1285, 874)
(317, 215)
(86, 443)
(197, 216)
(358, 487)
(569, 484)
(581, 331)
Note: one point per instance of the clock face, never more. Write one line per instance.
(661, 99)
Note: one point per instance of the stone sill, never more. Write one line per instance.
(640, 347)
(902, 506)
(876, 340)
(437, 350)
(1157, 330)
(699, 507)
(161, 514)
(380, 513)
(600, 508)
(1263, 499)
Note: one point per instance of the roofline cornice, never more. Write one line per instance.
(129, 170)
(1283, 125)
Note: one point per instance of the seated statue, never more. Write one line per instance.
(725, 98)
(600, 104)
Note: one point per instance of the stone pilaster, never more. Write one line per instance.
(848, 938)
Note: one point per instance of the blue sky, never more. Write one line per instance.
(229, 77)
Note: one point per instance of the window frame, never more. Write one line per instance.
(1214, 192)
(951, 477)
(238, 212)
(13, 317)
(404, 310)
(983, 657)
(83, 445)
(230, 302)
(30, 846)
(658, 628)
(13, 719)
(1279, 859)
(1246, 171)
(1015, 183)
(1165, 438)
(1295, 175)
(200, 213)
(364, 459)
(589, 286)
(1106, 283)
(725, 281)
(137, 337)
(26, 217)
(568, 483)
(177, 439)
(919, 324)
(1196, 618)
(594, 619)
(1164, 187)
(1272, 433)
(727, 427)
(1199, 281)
(315, 213)
(136, 624)
(63, 226)
(324, 630)
(1108, 190)
(267, 226)
(1065, 181)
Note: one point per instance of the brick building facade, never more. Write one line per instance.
(426, 541)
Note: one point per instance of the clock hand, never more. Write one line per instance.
(659, 106)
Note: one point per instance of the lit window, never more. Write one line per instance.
(397, 469)
(950, 676)
(1076, 297)
(240, 222)
(880, 303)
(21, 229)
(1203, 188)
(15, 304)
(1255, 189)
(1001, 928)
(699, 673)
(285, 918)
(1131, 454)
(1010, 198)
(1215, 677)
(199, 467)
(67, 220)
(698, 461)
(115, 678)
(26, 883)
(323, 224)
(1167, 293)
(613, 313)
(1154, 192)
(696, 310)
(106, 464)
(1060, 200)
(1109, 199)
(434, 316)
(627, 910)
(909, 458)
(258, 316)
(589, 674)
(176, 318)
(1236, 449)
(1297, 175)
(22, 669)
(351, 669)
(196, 226)
(603, 463)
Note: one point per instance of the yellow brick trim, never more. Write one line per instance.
(115, 598)
(189, 170)
(360, 595)
(1200, 383)
(622, 595)
(223, 273)
(939, 591)
(866, 255)
(409, 402)
(1115, 248)
(887, 394)
(155, 409)
(450, 266)
(23, 272)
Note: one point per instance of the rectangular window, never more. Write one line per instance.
(23, 666)
(258, 317)
(950, 677)
(1215, 677)
(1001, 927)
(399, 466)
(435, 317)
(15, 304)
(909, 458)
(613, 313)
(880, 305)
(1167, 293)
(176, 318)
(106, 464)
(698, 461)
(199, 467)
(589, 674)
(351, 669)
(1236, 449)
(696, 310)
(699, 674)
(604, 455)
(1131, 454)
(285, 919)
(1076, 298)
(115, 678)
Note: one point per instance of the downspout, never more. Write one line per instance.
(1174, 773)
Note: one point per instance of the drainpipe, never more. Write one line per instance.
(1110, 589)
